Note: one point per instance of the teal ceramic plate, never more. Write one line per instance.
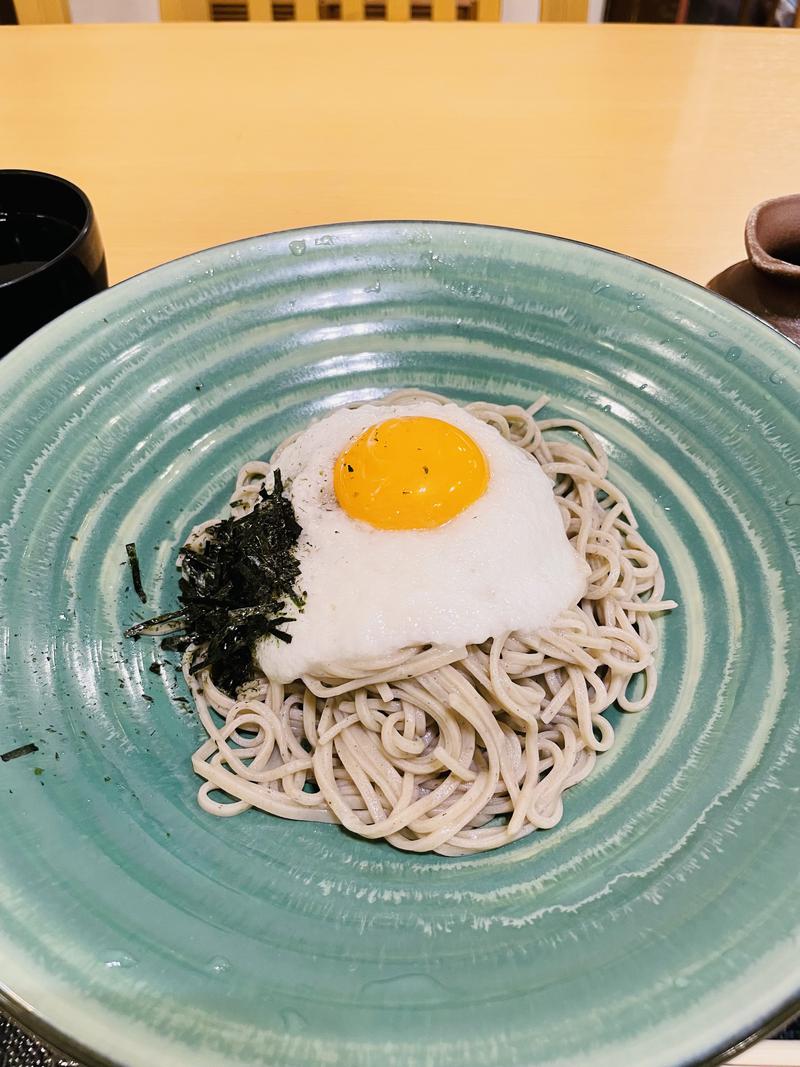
(656, 925)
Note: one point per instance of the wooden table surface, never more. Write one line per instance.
(654, 141)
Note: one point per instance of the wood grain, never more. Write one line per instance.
(443, 10)
(261, 10)
(564, 10)
(398, 10)
(185, 10)
(489, 10)
(654, 141)
(39, 12)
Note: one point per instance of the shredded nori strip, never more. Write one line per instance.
(142, 627)
(136, 574)
(23, 750)
(236, 590)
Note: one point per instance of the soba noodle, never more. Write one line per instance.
(453, 750)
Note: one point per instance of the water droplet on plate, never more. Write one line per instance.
(219, 965)
(598, 287)
(776, 378)
(376, 288)
(120, 961)
(733, 354)
(792, 500)
(713, 333)
(324, 242)
(297, 248)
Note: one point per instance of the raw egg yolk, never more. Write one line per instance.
(411, 473)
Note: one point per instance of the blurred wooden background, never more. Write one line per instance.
(718, 12)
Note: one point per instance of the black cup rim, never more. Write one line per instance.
(80, 236)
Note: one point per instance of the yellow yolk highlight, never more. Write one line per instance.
(411, 473)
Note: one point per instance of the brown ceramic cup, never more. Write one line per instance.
(768, 281)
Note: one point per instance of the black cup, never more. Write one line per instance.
(51, 254)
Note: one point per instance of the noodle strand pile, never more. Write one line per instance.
(452, 750)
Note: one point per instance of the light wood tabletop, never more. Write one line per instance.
(654, 141)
